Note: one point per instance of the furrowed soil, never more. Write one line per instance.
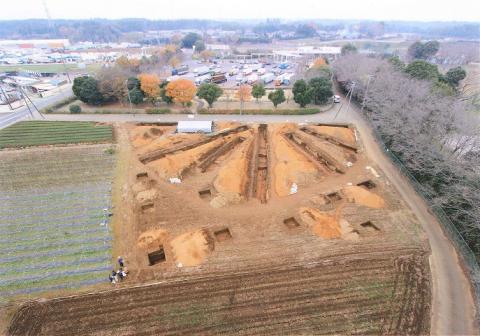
(270, 229)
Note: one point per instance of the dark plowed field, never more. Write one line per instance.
(385, 295)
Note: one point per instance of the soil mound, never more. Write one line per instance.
(342, 133)
(191, 248)
(176, 164)
(146, 195)
(232, 176)
(323, 224)
(225, 199)
(290, 165)
(364, 197)
(151, 237)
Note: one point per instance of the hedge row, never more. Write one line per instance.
(59, 104)
(158, 110)
(298, 111)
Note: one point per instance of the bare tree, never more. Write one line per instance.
(436, 137)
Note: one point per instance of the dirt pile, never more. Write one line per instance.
(290, 165)
(176, 164)
(170, 140)
(341, 133)
(364, 197)
(221, 125)
(191, 248)
(323, 224)
(232, 176)
(144, 135)
(152, 237)
(146, 195)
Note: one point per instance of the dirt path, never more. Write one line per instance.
(453, 309)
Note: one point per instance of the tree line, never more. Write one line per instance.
(426, 121)
(136, 81)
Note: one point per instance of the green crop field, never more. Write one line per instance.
(54, 232)
(35, 133)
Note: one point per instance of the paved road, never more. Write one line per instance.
(453, 309)
(23, 112)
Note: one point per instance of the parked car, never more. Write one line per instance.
(336, 99)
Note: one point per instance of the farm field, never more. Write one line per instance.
(270, 229)
(51, 211)
(34, 133)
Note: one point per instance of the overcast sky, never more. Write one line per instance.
(421, 10)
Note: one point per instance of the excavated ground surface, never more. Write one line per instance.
(274, 229)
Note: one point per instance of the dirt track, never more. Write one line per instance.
(452, 308)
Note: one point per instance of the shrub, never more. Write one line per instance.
(158, 110)
(57, 105)
(75, 108)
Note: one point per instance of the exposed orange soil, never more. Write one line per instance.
(146, 195)
(364, 197)
(191, 248)
(323, 224)
(169, 141)
(232, 176)
(143, 135)
(342, 133)
(221, 125)
(173, 165)
(290, 165)
(152, 237)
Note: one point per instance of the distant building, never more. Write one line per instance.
(34, 44)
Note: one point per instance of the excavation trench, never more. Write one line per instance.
(329, 138)
(160, 153)
(211, 156)
(258, 171)
(313, 151)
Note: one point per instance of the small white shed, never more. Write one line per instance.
(194, 126)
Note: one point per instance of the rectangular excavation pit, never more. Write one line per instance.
(370, 227)
(369, 184)
(291, 223)
(142, 175)
(147, 206)
(157, 256)
(333, 197)
(222, 234)
(205, 193)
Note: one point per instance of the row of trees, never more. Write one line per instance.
(436, 136)
(112, 86)
(447, 84)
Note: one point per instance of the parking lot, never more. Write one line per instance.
(239, 66)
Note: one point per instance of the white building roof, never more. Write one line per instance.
(196, 126)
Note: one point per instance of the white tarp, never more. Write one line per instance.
(194, 126)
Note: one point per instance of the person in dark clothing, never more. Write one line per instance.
(121, 262)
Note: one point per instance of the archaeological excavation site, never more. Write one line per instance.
(276, 228)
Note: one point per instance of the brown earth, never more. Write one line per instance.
(307, 263)
(290, 166)
(364, 197)
(342, 133)
(191, 248)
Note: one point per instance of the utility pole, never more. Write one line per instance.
(36, 109)
(6, 98)
(26, 103)
(350, 92)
